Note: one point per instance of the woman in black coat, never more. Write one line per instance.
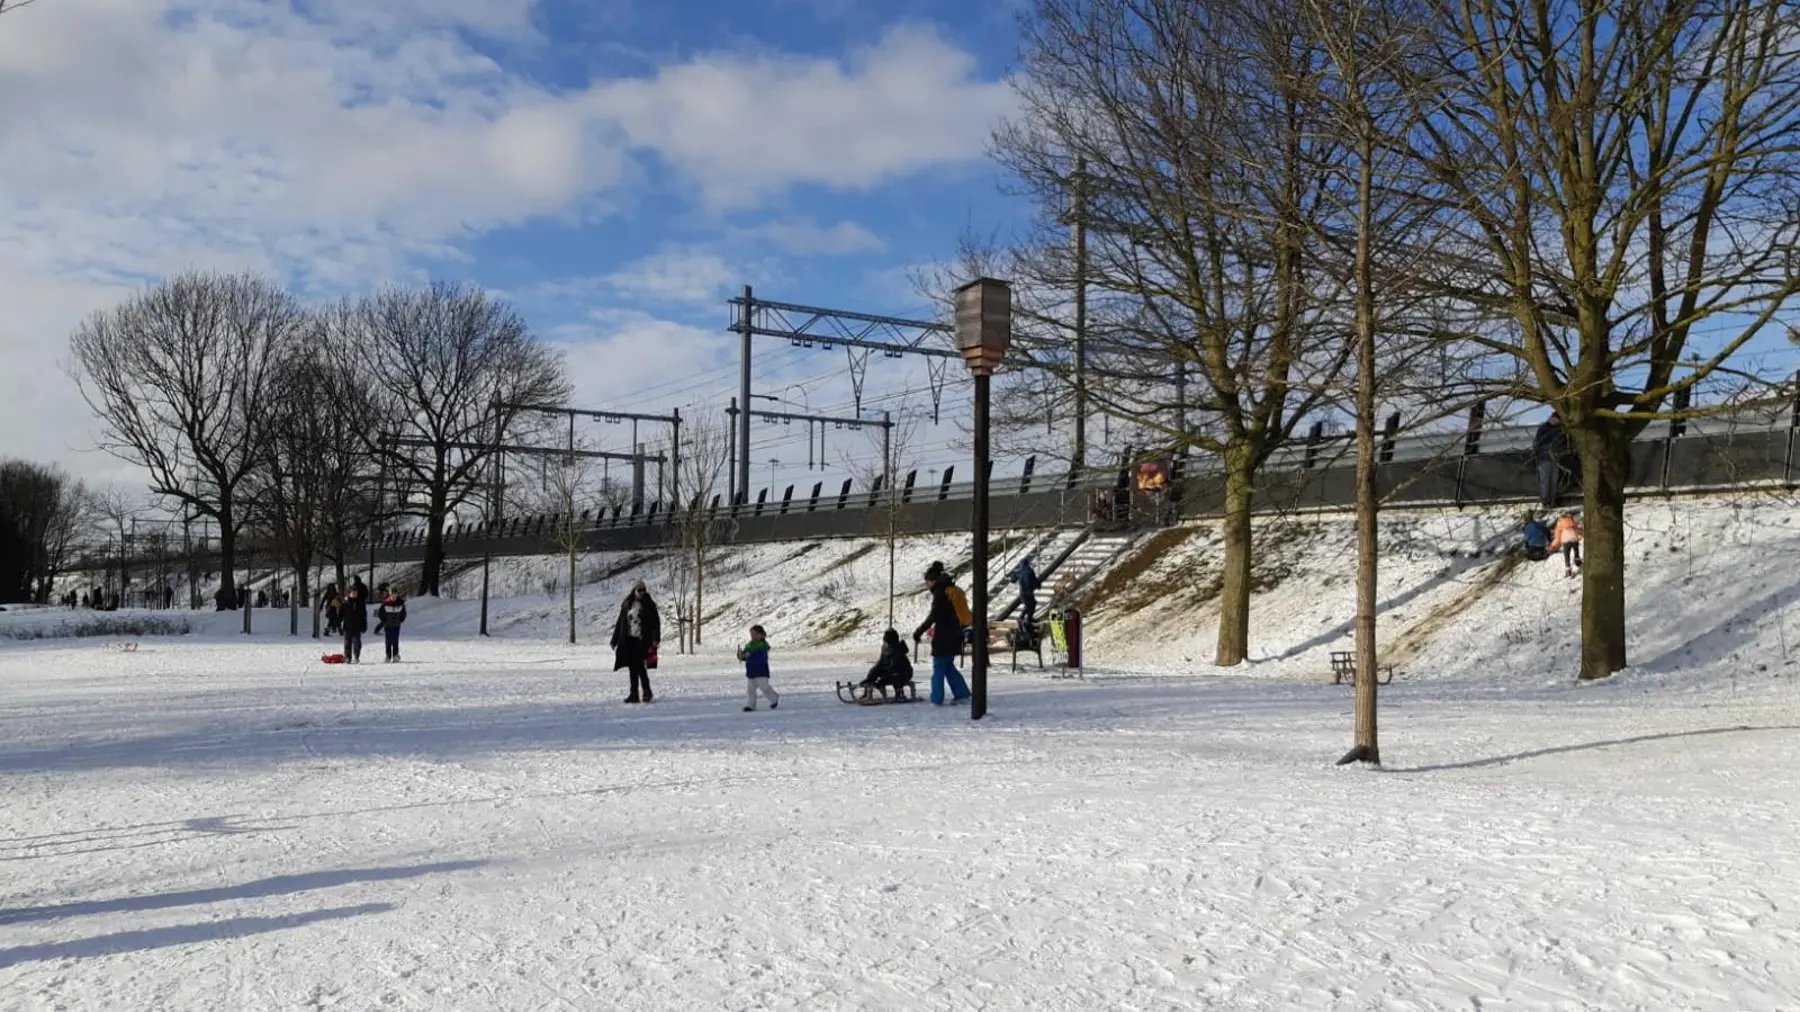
(637, 633)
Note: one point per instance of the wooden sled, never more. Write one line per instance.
(851, 692)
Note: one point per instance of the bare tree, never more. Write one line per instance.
(882, 477)
(697, 525)
(439, 358)
(42, 511)
(8, 6)
(1197, 136)
(572, 482)
(181, 377)
(1623, 181)
(1379, 235)
(111, 511)
(316, 488)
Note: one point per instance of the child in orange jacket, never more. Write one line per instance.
(1567, 536)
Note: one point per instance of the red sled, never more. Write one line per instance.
(333, 658)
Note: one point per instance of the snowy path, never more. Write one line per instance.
(219, 826)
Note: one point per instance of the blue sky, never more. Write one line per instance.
(617, 168)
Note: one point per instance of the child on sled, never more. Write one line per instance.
(894, 669)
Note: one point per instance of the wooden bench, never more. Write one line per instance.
(1343, 669)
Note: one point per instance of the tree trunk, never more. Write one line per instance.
(571, 533)
(1234, 593)
(1368, 558)
(1605, 451)
(434, 545)
(700, 584)
(226, 598)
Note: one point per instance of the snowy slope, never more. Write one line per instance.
(1710, 591)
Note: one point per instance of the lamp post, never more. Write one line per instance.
(983, 332)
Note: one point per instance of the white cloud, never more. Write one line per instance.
(630, 356)
(809, 238)
(360, 142)
(745, 127)
(690, 276)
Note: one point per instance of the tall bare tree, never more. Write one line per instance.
(1197, 134)
(1379, 234)
(317, 486)
(572, 484)
(882, 476)
(439, 358)
(182, 377)
(698, 528)
(1624, 178)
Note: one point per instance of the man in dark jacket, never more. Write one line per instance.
(1548, 448)
(946, 630)
(353, 610)
(1027, 579)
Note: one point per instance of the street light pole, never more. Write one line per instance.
(983, 332)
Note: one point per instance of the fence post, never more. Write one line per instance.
(1684, 398)
(1472, 438)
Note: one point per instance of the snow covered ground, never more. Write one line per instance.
(215, 822)
(211, 825)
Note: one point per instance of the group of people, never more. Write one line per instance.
(101, 599)
(347, 613)
(637, 636)
(1543, 541)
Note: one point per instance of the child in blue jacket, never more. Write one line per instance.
(755, 655)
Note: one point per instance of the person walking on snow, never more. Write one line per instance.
(1567, 536)
(755, 655)
(1548, 448)
(353, 612)
(636, 635)
(388, 615)
(946, 638)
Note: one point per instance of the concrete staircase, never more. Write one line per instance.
(1047, 553)
(1092, 557)
(1069, 558)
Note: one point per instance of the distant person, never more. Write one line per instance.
(1567, 536)
(334, 620)
(1548, 449)
(1537, 539)
(389, 615)
(636, 636)
(262, 599)
(168, 597)
(755, 655)
(1026, 577)
(946, 628)
(353, 612)
(893, 669)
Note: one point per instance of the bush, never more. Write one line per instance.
(116, 625)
